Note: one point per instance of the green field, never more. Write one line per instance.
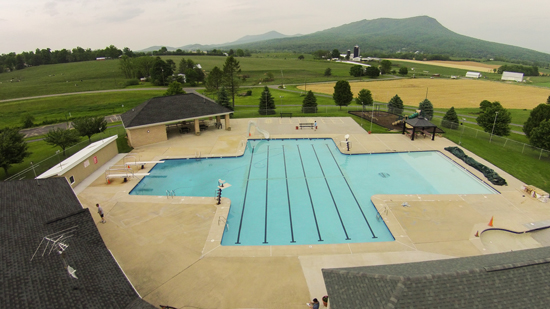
(73, 106)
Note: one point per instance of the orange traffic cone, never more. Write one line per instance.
(491, 222)
(128, 166)
(477, 234)
(249, 134)
(108, 181)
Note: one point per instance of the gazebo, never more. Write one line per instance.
(419, 125)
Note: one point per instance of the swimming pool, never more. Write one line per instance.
(305, 191)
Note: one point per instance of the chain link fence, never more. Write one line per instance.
(34, 169)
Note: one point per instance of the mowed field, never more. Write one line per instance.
(464, 65)
(446, 93)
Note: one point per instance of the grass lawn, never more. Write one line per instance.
(80, 105)
(525, 167)
(41, 150)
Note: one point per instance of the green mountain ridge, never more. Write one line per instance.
(385, 35)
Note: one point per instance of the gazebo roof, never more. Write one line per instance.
(420, 123)
(162, 110)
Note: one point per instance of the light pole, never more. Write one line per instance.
(371, 118)
(460, 141)
(491, 138)
(281, 99)
(162, 69)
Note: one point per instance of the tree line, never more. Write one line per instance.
(526, 70)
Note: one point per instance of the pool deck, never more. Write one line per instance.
(169, 247)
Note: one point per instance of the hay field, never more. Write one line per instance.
(445, 93)
(463, 65)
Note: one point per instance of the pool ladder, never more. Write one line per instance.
(222, 219)
(198, 155)
(384, 211)
(170, 193)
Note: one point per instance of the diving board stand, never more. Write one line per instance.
(136, 162)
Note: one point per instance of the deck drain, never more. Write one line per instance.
(384, 175)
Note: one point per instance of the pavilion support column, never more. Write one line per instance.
(433, 134)
(413, 134)
(197, 127)
(227, 125)
(218, 122)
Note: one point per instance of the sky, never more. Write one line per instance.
(29, 24)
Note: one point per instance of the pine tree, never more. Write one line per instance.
(450, 120)
(395, 105)
(427, 109)
(309, 105)
(223, 98)
(267, 103)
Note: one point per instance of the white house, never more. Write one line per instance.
(473, 74)
(514, 76)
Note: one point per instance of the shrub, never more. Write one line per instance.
(131, 82)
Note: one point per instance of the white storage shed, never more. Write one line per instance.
(514, 76)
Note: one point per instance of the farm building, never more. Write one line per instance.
(473, 74)
(513, 76)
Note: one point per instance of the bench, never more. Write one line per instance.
(307, 125)
(286, 115)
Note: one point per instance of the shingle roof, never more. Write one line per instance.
(508, 280)
(33, 209)
(172, 108)
(420, 122)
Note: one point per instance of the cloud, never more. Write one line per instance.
(50, 8)
(122, 15)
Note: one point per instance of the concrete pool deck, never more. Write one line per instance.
(170, 247)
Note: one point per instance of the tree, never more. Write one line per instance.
(301, 57)
(372, 72)
(214, 79)
(335, 54)
(489, 119)
(309, 104)
(161, 72)
(191, 77)
(450, 120)
(182, 66)
(395, 105)
(385, 66)
(231, 69)
(426, 109)
(89, 126)
(540, 136)
(403, 71)
(174, 88)
(223, 98)
(27, 120)
(112, 52)
(328, 72)
(364, 98)
(356, 71)
(537, 115)
(13, 148)
(267, 103)
(484, 105)
(342, 94)
(127, 66)
(239, 53)
(62, 138)
(143, 66)
(172, 64)
(548, 100)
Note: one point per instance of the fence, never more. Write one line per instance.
(34, 169)
(458, 133)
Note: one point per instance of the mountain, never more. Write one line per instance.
(386, 35)
(154, 48)
(244, 40)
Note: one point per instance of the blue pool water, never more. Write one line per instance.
(306, 191)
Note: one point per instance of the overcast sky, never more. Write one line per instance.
(29, 24)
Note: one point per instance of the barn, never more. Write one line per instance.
(513, 76)
(473, 74)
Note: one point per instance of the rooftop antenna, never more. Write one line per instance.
(55, 241)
